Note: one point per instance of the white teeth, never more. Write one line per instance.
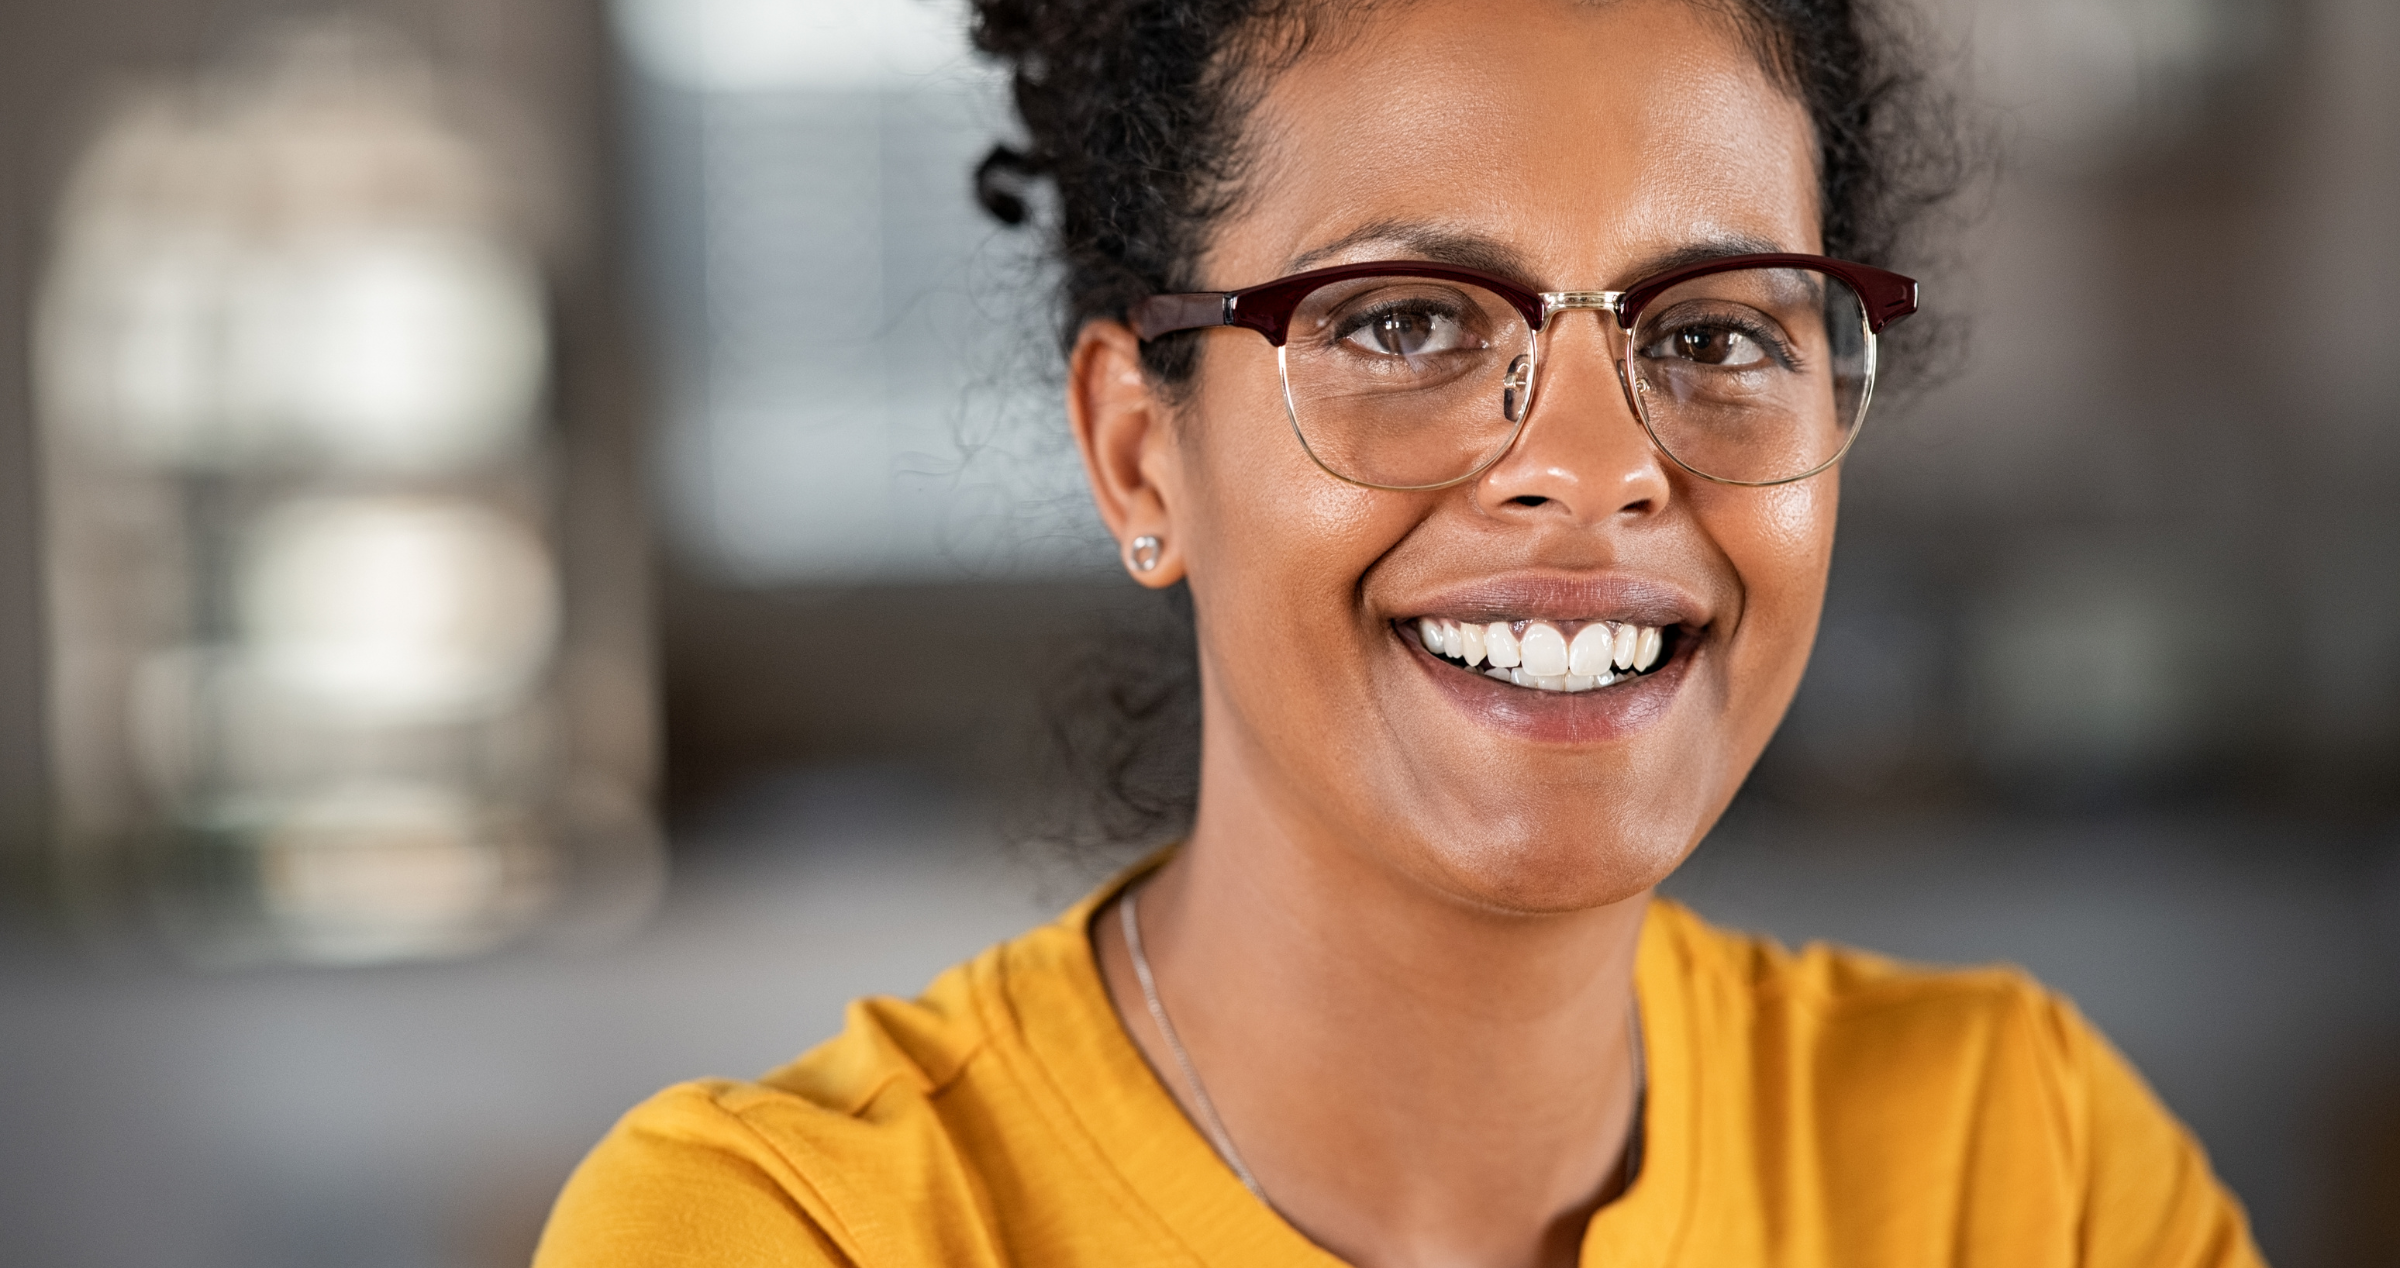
(1544, 650)
(1569, 683)
(1500, 643)
(1542, 658)
(1588, 654)
(1470, 638)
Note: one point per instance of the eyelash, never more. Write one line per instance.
(1772, 343)
(1357, 321)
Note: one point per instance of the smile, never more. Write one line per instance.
(1543, 656)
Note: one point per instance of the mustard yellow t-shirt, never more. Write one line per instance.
(1815, 1110)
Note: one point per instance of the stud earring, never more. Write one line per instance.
(1144, 553)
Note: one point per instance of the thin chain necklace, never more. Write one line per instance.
(1209, 1122)
(1130, 920)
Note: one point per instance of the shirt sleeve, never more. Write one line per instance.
(2150, 1199)
(682, 1181)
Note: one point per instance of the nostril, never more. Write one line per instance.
(1528, 499)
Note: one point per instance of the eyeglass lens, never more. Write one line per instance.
(1752, 375)
(1402, 381)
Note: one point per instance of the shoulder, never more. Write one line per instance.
(1848, 1009)
(1892, 1045)
(1974, 1101)
(804, 1166)
(1823, 978)
(926, 1132)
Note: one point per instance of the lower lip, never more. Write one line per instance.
(1558, 717)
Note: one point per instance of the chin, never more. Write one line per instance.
(1546, 832)
(1555, 868)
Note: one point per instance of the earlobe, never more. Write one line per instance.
(1122, 430)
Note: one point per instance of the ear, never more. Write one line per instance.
(1126, 434)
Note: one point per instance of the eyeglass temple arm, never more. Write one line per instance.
(1894, 297)
(1166, 314)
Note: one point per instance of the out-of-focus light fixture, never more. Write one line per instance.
(850, 361)
(406, 610)
(375, 871)
(771, 45)
(305, 596)
(395, 350)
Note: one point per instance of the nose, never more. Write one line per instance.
(1583, 454)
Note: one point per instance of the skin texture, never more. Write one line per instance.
(1399, 944)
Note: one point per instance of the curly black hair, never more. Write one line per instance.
(1133, 113)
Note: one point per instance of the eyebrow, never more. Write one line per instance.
(1439, 245)
(1431, 243)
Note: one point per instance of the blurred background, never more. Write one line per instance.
(529, 530)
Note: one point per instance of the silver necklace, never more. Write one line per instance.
(1130, 920)
(1209, 1122)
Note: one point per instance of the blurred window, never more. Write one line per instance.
(858, 367)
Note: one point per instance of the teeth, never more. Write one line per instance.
(1544, 650)
(1543, 658)
(1500, 643)
(1587, 656)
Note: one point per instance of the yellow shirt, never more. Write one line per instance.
(1820, 1109)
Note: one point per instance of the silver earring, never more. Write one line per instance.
(1144, 553)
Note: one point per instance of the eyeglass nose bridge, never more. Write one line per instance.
(1556, 302)
(1524, 392)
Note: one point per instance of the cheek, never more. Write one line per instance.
(1277, 554)
(1268, 530)
(1793, 537)
(1784, 570)
(1779, 541)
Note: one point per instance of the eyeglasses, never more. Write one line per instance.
(1747, 369)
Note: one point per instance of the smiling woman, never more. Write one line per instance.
(1500, 357)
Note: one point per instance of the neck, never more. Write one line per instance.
(1411, 1078)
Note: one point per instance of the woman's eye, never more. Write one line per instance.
(1726, 347)
(1407, 333)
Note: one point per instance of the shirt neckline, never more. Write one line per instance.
(1156, 1163)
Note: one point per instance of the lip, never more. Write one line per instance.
(1537, 597)
(1560, 718)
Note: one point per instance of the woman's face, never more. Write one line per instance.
(1573, 146)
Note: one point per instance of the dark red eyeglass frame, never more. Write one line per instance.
(1268, 307)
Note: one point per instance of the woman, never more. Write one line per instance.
(1479, 368)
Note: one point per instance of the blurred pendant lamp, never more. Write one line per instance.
(318, 692)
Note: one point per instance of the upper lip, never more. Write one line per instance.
(1534, 596)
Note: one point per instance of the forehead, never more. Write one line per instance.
(1573, 140)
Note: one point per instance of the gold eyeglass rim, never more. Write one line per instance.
(1885, 297)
